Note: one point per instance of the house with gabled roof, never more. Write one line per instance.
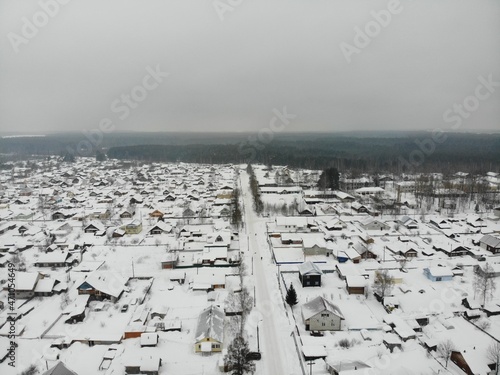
(309, 274)
(59, 369)
(53, 259)
(490, 243)
(209, 335)
(335, 224)
(160, 228)
(26, 283)
(320, 314)
(440, 223)
(134, 227)
(102, 285)
(157, 213)
(127, 213)
(371, 223)
(363, 251)
(95, 227)
(335, 367)
(408, 222)
(454, 249)
(475, 221)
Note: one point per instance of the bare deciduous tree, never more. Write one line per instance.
(493, 354)
(383, 283)
(445, 349)
(484, 282)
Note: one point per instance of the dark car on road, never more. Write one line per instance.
(254, 356)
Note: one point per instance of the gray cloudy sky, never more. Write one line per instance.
(228, 74)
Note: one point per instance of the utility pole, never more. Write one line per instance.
(258, 344)
(311, 363)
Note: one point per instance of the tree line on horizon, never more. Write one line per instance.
(473, 153)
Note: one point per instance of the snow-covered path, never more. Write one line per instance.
(278, 352)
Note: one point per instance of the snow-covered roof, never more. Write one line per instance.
(355, 281)
(149, 339)
(317, 305)
(164, 227)
(26, 280)
(210, 324)
(108, 283)
(45, 285)
(309, 268)
(99, 226)
(440, 271)
(348, 367)
(490, 241)
(59, 369)
(53, 257)
(150, 363)
(476, 361)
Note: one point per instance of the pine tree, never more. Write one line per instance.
(100, 156)
(329, 179)
(237, 357)
(291, 296)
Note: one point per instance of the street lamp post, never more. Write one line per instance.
(258, 340)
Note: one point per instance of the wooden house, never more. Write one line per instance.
(94, 227)
(355, 284)
(309, 274)
(102, 285)
(53, 259)
(157, 214)
(490, 243)
(160, 228)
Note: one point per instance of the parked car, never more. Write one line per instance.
(124, 308)
(316, 333)
(254, 356)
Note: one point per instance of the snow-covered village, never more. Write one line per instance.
(119, 267)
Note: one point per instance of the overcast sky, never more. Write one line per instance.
(229, 69)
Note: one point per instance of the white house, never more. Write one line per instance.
(321, 315)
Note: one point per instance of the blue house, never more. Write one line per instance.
(438, 273)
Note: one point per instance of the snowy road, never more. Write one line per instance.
(278, 352)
